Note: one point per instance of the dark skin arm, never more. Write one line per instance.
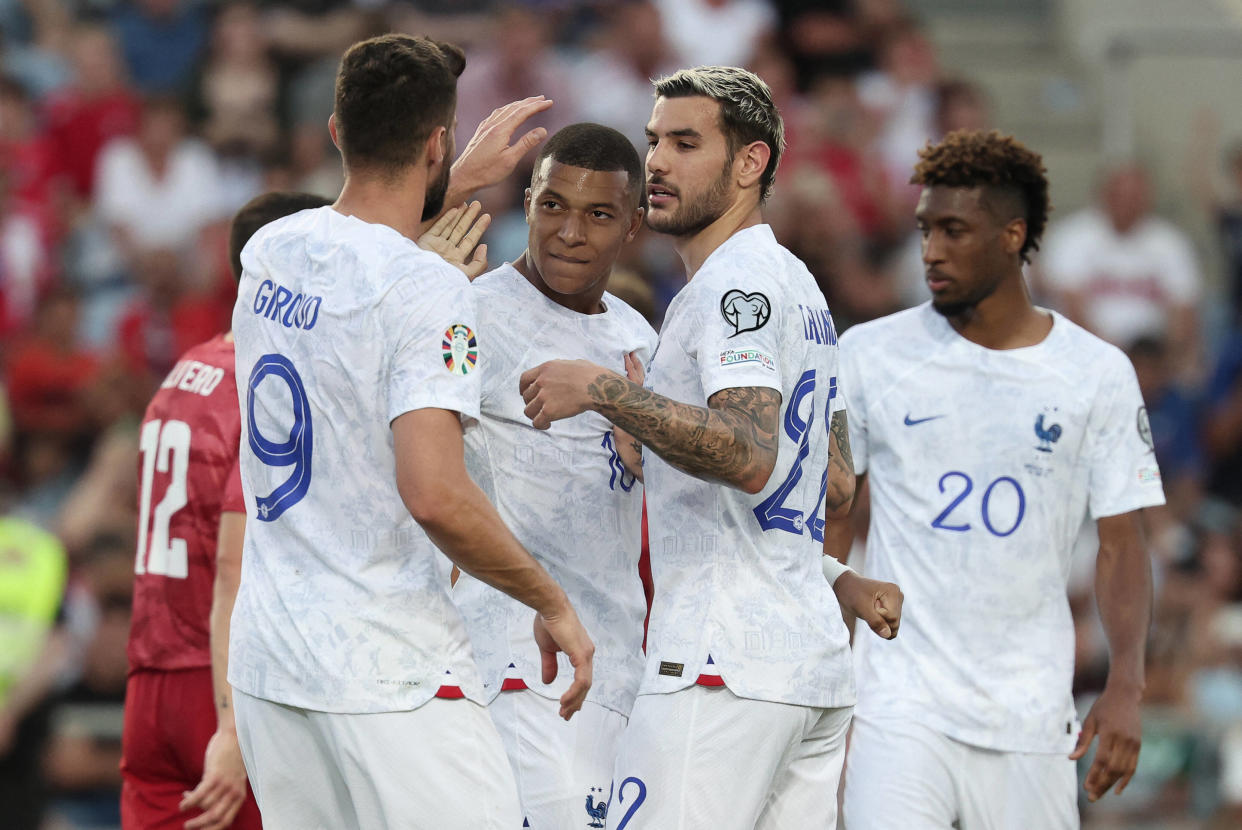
(1124, 594)
(878, 603)
(732, 440)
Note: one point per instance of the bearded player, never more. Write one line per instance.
(181, 763)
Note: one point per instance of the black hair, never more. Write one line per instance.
(1001, 165)
(595, 147)
(392, 92)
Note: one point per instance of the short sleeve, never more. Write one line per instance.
(232, 500)
(435, 358)
(1124, 475)
(739, 334)
(850, 393)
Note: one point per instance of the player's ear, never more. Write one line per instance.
(1013, 236)
(750, 162)
(526, 205)
(636, 222)
(437, 145)
(332, 130)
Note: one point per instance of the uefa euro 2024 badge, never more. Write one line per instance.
(460, 349)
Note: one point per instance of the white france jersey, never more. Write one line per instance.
(562, 491)
(738, 577)
(983, 465)
(342, 326)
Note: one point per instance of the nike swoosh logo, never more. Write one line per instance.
(914, 421)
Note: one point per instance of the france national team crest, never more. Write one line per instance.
(597, 810)
(1047, 434)
(460, 349)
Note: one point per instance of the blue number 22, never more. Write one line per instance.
(295, 451)
(772, 512)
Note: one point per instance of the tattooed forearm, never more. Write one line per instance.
(732, 440)
(840, 464)
(630, 451)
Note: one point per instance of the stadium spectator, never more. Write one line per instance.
(1221, 202)
(822, 36)
(901, 93)
(1122, 272)
(1174, 417)
(23, 262)
(961, 105)
(239, 85)
(49, 373)
(169, 316)
(516, 63)
(716, 32)
(32, 583)
(96, 107)
(162, 41)
(158, 189)
(28, 156)
(84, 748)
(631, 51)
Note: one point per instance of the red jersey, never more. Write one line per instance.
(187, 476)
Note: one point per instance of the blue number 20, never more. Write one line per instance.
(941, 521)
(295, 451)
(772, 512)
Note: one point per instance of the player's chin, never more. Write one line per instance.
(570, 278)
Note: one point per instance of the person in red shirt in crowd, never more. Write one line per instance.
(49, 375)
(28, 156)
(98, 107)
(170, 317)
(179, 748)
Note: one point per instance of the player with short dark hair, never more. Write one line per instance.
(987, 429)
(180, 755)
(358, 702)
(745, 700)
(566, 492)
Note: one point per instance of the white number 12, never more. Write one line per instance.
(161, 444)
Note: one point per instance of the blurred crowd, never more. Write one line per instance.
(130, 130)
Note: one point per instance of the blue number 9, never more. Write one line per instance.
(295, 451)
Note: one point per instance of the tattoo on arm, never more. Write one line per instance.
(840, 464)
(733, 440)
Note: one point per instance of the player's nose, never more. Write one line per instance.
(572, 230)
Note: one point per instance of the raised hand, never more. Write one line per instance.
(455, 237)
(489, 158)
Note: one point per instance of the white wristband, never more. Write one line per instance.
(833, 568)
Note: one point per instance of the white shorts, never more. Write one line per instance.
(563, 768)
(438, 767)
(903, 774)
(704, 758)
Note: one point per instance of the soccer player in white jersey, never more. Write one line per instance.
(357, 361)
(747, 692)
(564, 491)
(988, 429)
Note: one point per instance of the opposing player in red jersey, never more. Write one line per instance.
(180, 760)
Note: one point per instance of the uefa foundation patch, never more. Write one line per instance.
(460, 349)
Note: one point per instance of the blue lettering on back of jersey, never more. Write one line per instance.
(292, 310)
(817, 326)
